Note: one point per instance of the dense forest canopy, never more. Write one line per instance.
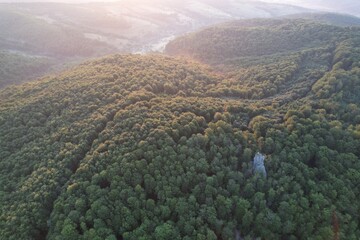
(160, 147)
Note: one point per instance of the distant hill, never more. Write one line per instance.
(345, 6)
(252, 53)
(251, 38)
(68, 33)
(160, 147)
(329, 18)
(28, 33)
(16, 68)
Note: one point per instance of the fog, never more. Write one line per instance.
(64, 1)
(344, 6)
(350, 6)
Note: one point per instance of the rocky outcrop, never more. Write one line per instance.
(258, 164)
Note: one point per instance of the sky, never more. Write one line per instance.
(315, 4)
(67, 1)
(82, 1)
(323, 4)
(345, 6)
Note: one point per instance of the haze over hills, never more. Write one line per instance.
(58, 33)
(346, 6)
(132, 22)
(48, 37)
(329, 18)
(161, 147)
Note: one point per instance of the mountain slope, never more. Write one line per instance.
(156, 147)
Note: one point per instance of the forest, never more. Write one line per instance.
(16, 68)
(161, 147)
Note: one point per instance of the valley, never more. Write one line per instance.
(67, 34)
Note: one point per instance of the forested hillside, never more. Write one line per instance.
(258, 37)
(343, 20)
(158, 147)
